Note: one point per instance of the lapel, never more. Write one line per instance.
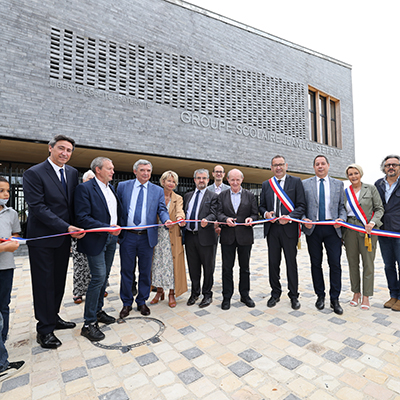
(128, 193)
(149, 196)
(333, 189)
(99, 192)
(53, 176)
(314, 183)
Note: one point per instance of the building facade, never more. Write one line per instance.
(167, 81)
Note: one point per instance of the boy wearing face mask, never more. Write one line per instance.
(9, 226)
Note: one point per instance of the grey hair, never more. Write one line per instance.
(387, 158)
(98, 162)
(235, 169)
(57, 138)
(142, 162)
(89, 174)
(201, 171)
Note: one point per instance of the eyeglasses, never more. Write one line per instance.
(278, 165)
(218, 172)
(391, 165)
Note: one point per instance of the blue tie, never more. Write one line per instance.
(63, 180)
(321, 206)
(192, 225)
(139, 205)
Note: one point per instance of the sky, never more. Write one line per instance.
(364, 34)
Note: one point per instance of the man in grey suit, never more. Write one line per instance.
(200, 238)
(324, 201)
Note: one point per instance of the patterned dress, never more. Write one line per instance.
(81, 271)
(162, 269)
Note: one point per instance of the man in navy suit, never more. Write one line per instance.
(282, 234)
(389, 190)
(49, 191)
(141, 202)
(324, 201)
(97, 206)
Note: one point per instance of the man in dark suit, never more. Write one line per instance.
(97, 206)
(49, 191)
(142, 202)
(324, 201)
(282, 234)
(200, 238)
(236, 205)
(389, 190)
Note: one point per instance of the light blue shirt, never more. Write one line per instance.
(132, 207)
(389, 189)
(235, 199)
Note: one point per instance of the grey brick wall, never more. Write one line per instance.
(35, 106)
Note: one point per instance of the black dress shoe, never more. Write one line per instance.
(92, 332)
(337, 309)
(272, 301)
(205, 302)
(105, 318)
(192, 299)
(226, 304)
(125, 311)
(61, 324)
(48, 341)
(295, 304)
(320, 303)
(248, 301)
(144, 310)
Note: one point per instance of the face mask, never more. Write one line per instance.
(3, 202)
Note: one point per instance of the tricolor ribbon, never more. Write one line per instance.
(281, 194)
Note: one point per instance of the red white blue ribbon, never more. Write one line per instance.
(281, 194)
(355, 205)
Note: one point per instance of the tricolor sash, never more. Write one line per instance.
(358, 212)
(281, 194)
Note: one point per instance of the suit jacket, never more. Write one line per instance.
(50, 208)
(91, 211)
(336, 202)
(248, 208)
(294, 189)
(223, 187)
(155, 206)
(207, 210)
(371, 203)
(391, 218)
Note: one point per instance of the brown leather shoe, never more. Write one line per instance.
(144, 310)
(396, 306)
(125, 311)
(390, 303)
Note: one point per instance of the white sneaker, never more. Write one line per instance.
(12, 369)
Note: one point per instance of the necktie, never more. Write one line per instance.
(278, 204)
(192, 225)
(63, 180)
(139, 205)
(321, 204)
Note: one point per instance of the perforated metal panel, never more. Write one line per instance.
(222, 91)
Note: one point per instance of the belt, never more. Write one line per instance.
(136, 232)
(192, 232)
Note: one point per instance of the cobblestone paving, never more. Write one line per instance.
(211, 354)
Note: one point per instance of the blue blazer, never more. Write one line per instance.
(337, 208)
(155, 206)
(91, 211)
(50, 208)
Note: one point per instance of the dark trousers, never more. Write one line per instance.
(326, 235)
(48, 271)
(135, 246)
(6, 280)
(278, 240)
(200, 257)
(228, 262)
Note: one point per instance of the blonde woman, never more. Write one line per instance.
(364, 208)
(168, 268)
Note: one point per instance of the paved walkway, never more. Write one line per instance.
(210, 354)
